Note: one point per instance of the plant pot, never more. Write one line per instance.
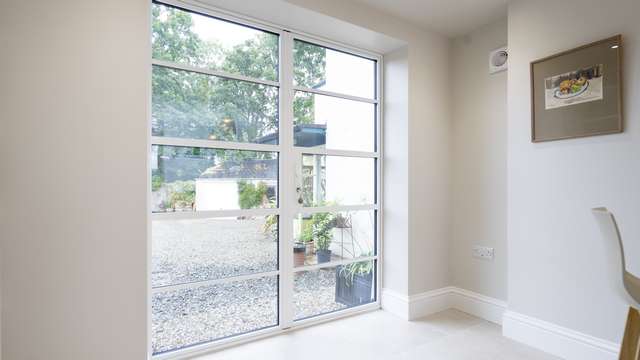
(323, 256)
(355, 293)
(298, 255)
(310, 248)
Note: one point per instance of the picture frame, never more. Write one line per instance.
(578, 92)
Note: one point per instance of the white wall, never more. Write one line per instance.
(558, 267)
(396, 172)
(73, 154)
(429, 164)
(479, 147)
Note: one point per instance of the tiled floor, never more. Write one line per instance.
(449, 335)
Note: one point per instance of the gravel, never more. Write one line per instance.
(205, 249)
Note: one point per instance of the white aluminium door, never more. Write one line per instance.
(265, 169)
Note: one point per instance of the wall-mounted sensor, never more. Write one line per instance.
(498, 60)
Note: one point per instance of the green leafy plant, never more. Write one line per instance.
(362, 268)
(156, 182)
(250, 195)
(306, 236)
(322, 225)
(182, 194)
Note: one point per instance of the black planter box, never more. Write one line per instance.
(357, 293)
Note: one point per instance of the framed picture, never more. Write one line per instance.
(578, 93)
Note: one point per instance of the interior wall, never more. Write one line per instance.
(428, 141)
(73, 153)
(396, 170)
(479, 165)
(559, 267)
(429, 164)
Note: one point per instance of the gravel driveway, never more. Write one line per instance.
(205, 249)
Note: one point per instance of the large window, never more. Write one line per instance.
(264, 180)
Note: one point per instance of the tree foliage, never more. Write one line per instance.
(192, 105)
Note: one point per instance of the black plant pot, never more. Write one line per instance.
(356, 293)
(323, 256)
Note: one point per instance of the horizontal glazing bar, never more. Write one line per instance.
(173, 65)
(334, 209)
(212, 144)
(334, 263)
(185, 215)
(335, 94)
(196, 284)
(347, 153)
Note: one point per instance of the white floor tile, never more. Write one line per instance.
(449, 335)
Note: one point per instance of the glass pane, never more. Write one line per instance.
(196, 106)
(197, 40)
(331, 289)
(186, 251)
(324, 237)
(335, 123)
(337, 180)
(198, 179)
(187, 317)
(321, 68)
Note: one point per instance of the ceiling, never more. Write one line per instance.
(448, 17)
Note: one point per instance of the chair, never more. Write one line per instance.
(630, 349)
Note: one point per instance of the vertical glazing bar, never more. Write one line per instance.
(379, 179)
(286, 179)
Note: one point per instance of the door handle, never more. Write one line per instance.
(300, 199)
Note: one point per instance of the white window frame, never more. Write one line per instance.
(288, 157)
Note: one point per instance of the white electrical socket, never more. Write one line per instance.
(482, 252)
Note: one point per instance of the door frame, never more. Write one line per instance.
(288, 160)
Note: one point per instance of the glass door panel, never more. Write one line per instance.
(334, 236)
(264, 175)
(337, 180)
(190, 316)
(331, 289)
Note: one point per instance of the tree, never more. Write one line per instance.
(192, 105)
(187, 104)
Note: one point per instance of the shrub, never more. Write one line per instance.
(182, 194)
(250, 195)
(156, 182)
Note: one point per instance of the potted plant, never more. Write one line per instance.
(354, 283)
(321, 228)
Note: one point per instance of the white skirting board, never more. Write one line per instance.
(553, 339)
(431, 302)
(557, 340)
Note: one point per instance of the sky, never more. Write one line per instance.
(228, 34)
